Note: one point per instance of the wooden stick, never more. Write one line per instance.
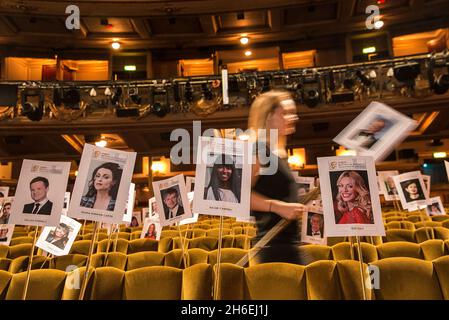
(89, 259)
(46, 258)
(84, 227)
(30, 262)
(182, 247)
(116, 238)
(362, 280)
(218, 263)
(351, 244)
(273, 232)
(113, 228)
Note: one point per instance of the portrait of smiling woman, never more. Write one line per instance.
(225, 181)
(352, 201)
(103, 187)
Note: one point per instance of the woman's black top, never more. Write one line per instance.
(282, 186)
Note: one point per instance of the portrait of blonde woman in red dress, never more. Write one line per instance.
(352, 202)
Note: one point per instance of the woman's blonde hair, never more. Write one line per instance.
(362, 199)
(265, 104)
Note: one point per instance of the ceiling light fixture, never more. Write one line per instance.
(248, 53)
(244, 40)
(116, 45)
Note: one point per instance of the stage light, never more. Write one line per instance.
(425, 165)
(159, 109)
(248, 53)
(244, 40)
(408, 72)
(207, 92)
(116, 45)
(440, 155)
(33, 111)
(133, 94)
(441, 84)
(116, 95)
(311, 98)
(71, 98)
(188, 92)
(378, 24)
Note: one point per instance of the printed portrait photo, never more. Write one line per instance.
(136, 219)
(58, 240)
(372, 132)
(223, 179)
(173, 206)
(376, 131)
(4, 234)
(102, 185)
(39, 187)
(59, 236)
(4, 192)
(151, 230)
(435, 207)
(351, 197)
(412, 190)
(153, 214)
(5, 209)
(315, 225)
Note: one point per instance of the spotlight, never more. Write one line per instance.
(207, 92)
(311, 98)
(8, 95)
(188, 92)
(266, 84)
(248, 53)
(441, 84)
(407, 73)
(31, 110)
(160, 108)
(367, 82)
(101, 143)
(311, 88)
(244, 40)
(116, 96)
(71, 98)
(116, 45)
(133, 94)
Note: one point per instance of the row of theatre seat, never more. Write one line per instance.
(23, 246)
(399, 278)
(428, 250)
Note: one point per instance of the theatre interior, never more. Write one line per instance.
(125, 75)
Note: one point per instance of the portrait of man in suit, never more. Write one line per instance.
(366, 138)
(315, 227)
(172, 208)
(3, 234)
(39, 189)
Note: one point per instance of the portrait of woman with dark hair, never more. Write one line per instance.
(353, 203)
(412, 190)
(134, 222)
(59, 236)
(225, 181)
(103, 187)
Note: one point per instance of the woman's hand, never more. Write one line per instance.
(289, 211)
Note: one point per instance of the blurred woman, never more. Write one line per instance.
(274, 196)
(224, 182)
(353, 200)
(103, 187)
